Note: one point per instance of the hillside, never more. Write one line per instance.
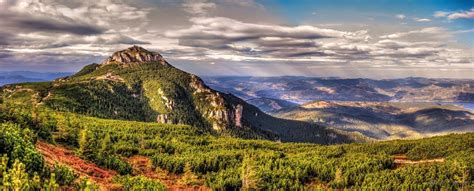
(385, 120)
(93, 153)
(140, 85)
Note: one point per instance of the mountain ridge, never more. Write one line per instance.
(140, 85)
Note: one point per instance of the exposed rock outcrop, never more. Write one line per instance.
(222, 114)
(134, 55)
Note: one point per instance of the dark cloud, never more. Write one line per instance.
(5, 38)
(5, 54)
(52, 26)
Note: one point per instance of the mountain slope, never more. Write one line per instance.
(136, 84)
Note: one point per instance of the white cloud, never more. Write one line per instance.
(400, 16)
(439, 14)
(422, 20)
(469, 14)
(462, 15)
(230, 29)
(423, 31)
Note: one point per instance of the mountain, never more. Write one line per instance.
(385, 120)
(304, 89)
(140, 85)
(27, 76)
(269, 105)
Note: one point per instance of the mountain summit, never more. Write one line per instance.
(134, 54)
(154, 91)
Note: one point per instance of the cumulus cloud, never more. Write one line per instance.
(468, 14)
(233, 40)
(43, 33)
(32, 26)
(239, 40)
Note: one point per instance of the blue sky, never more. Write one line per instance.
(358, 38)
(370, 11)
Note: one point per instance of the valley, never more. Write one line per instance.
(374, 109)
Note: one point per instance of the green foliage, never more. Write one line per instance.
(137, 183)
(225, 163)
(64, 175)
(86, 185)
(18, 144)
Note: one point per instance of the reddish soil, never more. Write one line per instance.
(142, 165)
(103, 177)
(58, 154)
(401, 160)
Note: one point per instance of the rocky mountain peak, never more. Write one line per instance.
(134, 55)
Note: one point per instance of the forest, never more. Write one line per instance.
(219, 162)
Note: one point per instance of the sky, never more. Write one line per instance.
(323, 38)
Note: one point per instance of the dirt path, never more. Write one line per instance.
(142, 165)
(61, 155)
(401, 160)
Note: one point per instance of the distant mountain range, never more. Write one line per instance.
(28, 76)
(304, 89)
(385, 120)
(375, 109)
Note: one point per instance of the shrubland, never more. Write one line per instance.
(221, 162)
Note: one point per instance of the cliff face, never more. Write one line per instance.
(134, 54)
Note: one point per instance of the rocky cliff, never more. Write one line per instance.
(134, 54)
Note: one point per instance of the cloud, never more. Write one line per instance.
(422, 20)
(50, 34)
(462, 15)
(400, 16)
(430, 30)
(230, 29)
(198, 7)
(439, 14)
(48, 26)
(468, 14)
(231, 39)
(219, 38)
(89, 27)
